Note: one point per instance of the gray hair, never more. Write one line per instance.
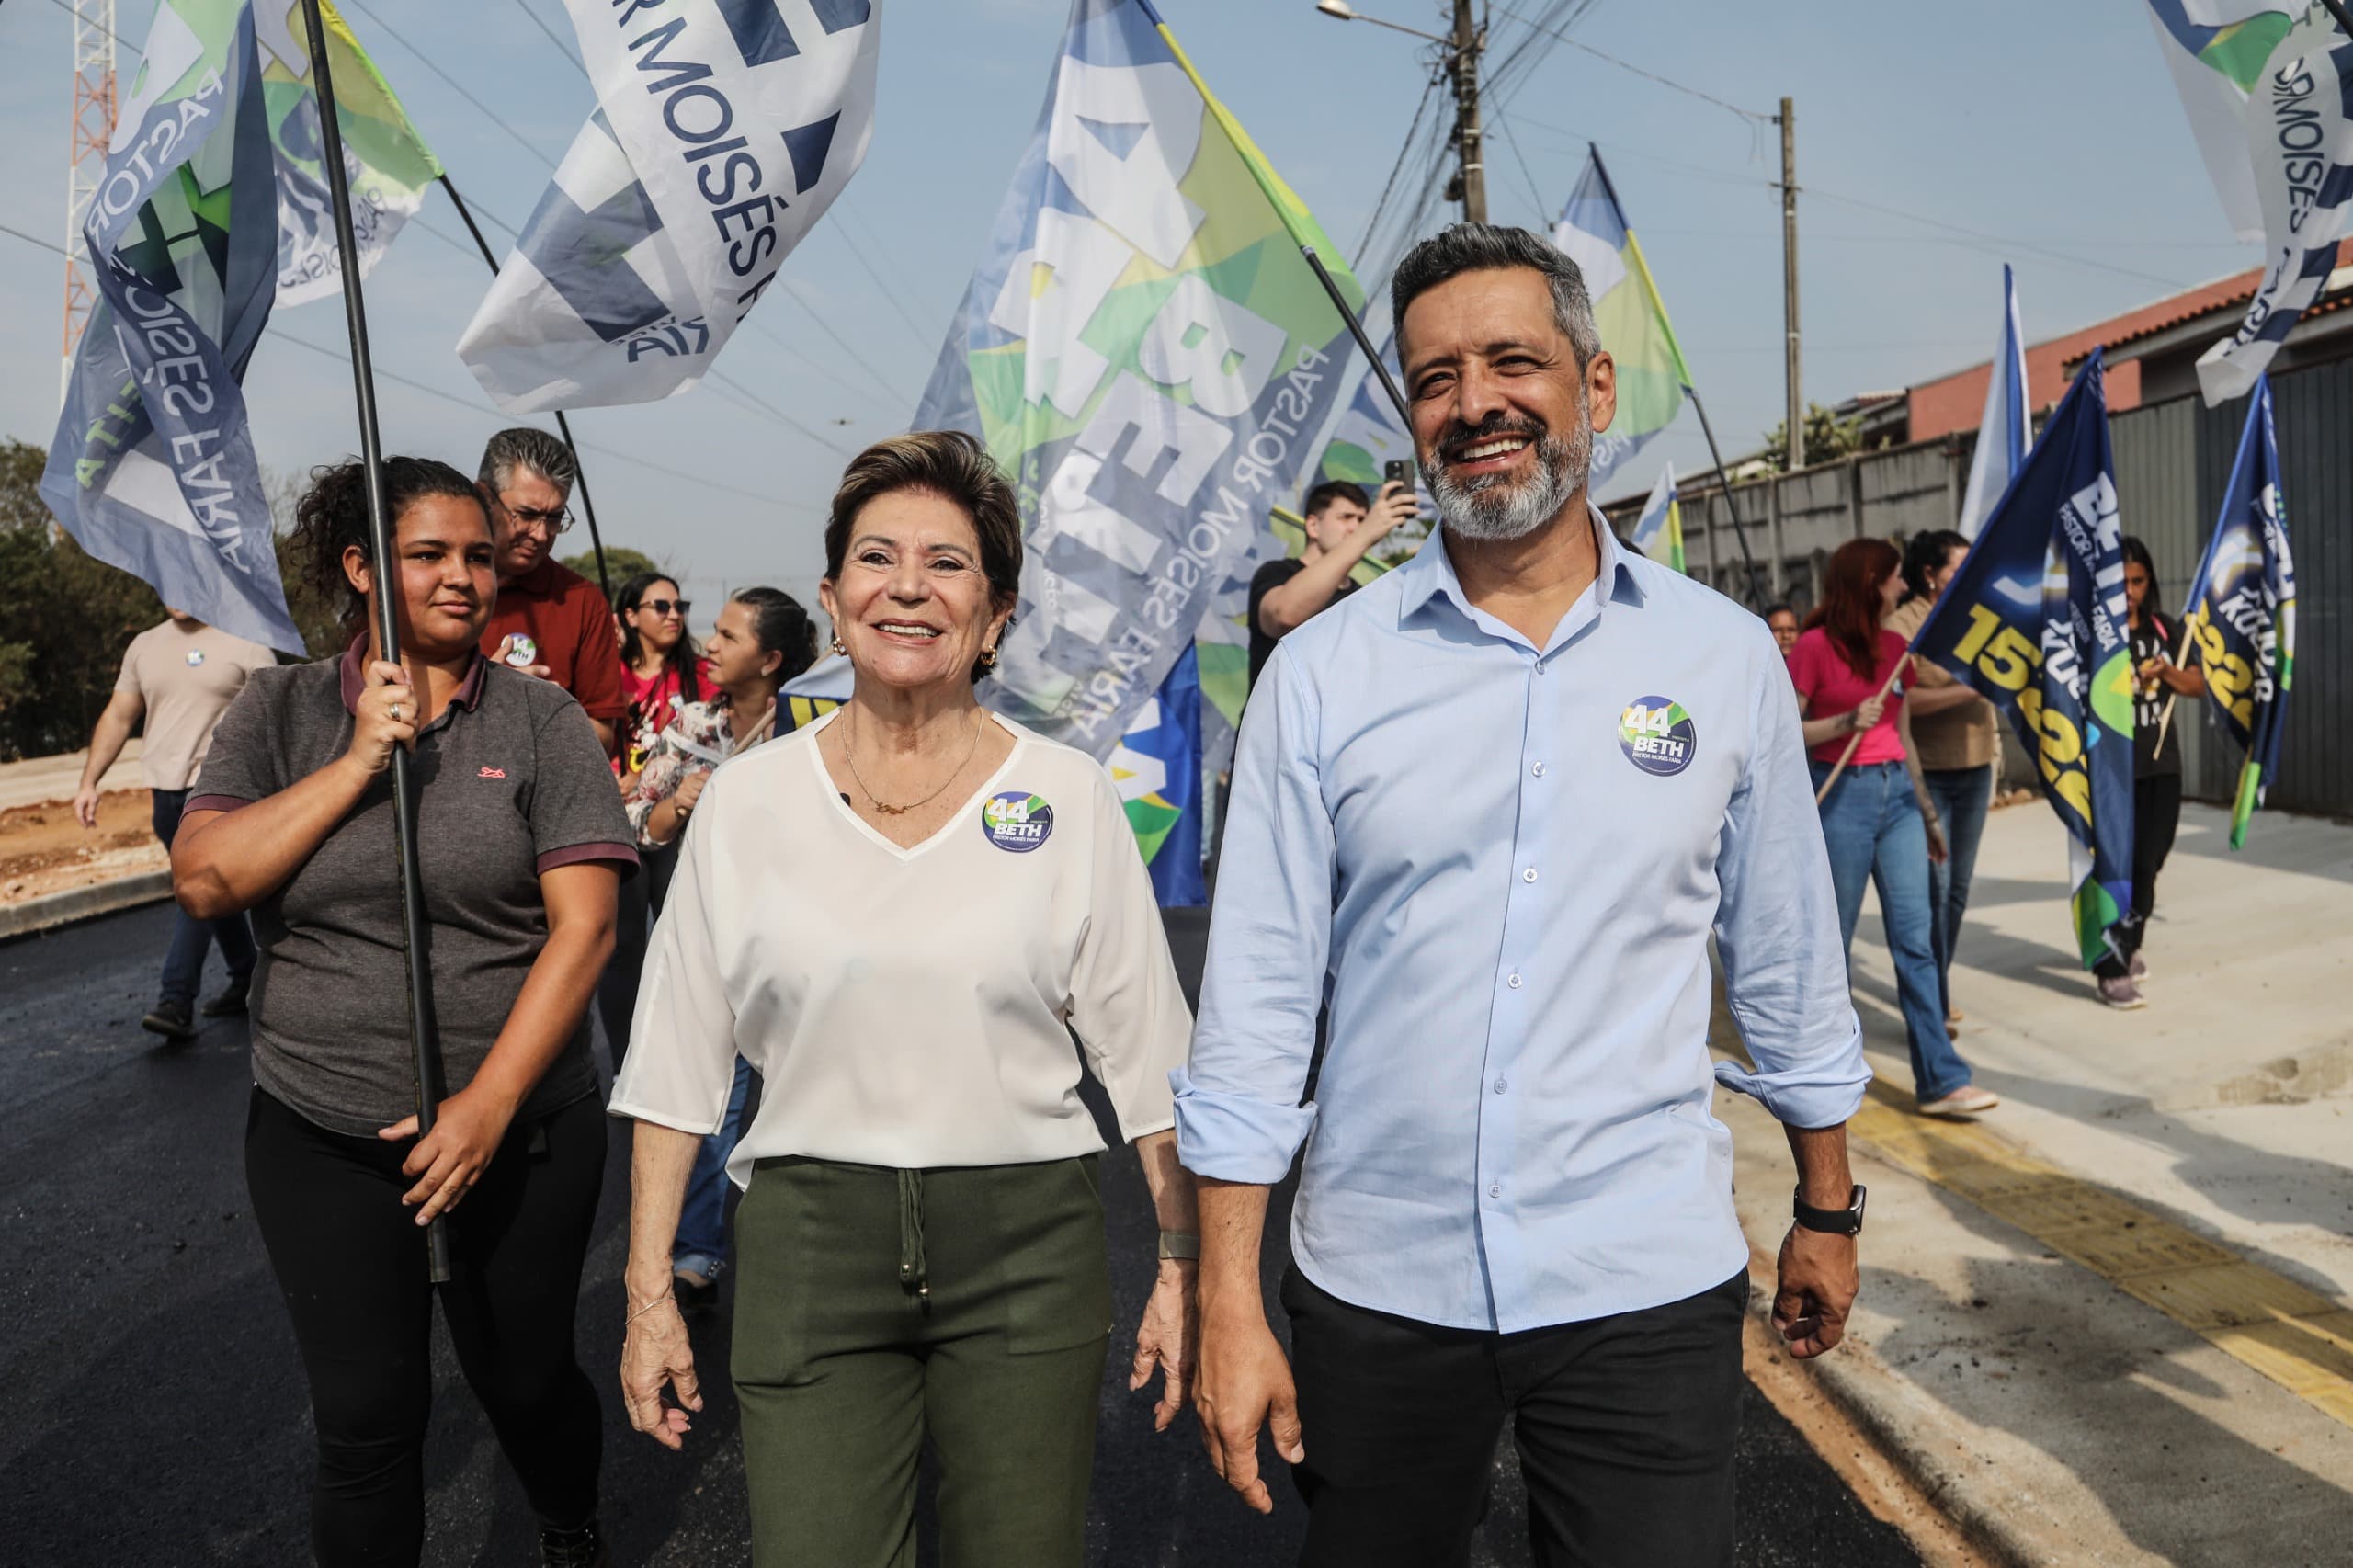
(523, 447)
(1490, 247)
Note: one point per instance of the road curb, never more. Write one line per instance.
(53, 909)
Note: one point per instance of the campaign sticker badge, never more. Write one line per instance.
(1016, 820)
(195, 657)
(1657, 735)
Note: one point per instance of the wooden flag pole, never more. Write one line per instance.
(424, 1035)
(1856, 739)
(564, 426)
(2165, 719)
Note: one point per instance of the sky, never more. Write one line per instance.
(1932, 145)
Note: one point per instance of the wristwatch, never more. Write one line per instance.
(1846, 1221)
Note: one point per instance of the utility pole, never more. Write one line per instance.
(1789, 124)
(85, 160)
(1473, 175)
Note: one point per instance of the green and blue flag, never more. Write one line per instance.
(1653, 380)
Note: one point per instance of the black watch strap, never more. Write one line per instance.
(1846, 1221)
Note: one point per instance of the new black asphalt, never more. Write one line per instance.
(152, 1413)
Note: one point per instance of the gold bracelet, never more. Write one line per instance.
(665, 1296)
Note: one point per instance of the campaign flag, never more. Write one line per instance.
(2300, 144)
(1368, 436)
(387, 166)
(1653, 380)
(2002, 431)
(1148, 356)
(813, 693)
(725, 129)
(2216, 50)
(152, 467)
(1660, 528)
(2034, 621)
(1157, 767)
(2241, 612)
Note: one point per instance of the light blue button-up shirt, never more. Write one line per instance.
(1500, 864)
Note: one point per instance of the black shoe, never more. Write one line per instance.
(231, 1003)
(583, 1548)
(170, 1019)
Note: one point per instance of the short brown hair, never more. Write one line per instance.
(952, 466)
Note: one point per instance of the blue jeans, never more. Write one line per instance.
(184, 962)
(1872, 826)
(1962, 796)
(701, 1243)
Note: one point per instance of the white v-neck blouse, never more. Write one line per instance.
(907, 1007)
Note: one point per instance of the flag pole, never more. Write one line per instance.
(1856, 739)
(423, 1036)
(564, 426)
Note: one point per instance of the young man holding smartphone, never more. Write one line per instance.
(1342, 528)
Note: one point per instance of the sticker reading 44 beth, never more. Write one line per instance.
(1657, 735)
(1016, 820)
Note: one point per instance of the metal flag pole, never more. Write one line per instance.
(564, 426)
(1340, 304)
(424, 1035)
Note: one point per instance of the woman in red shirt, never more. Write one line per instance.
(1876, 820)
(660, 668)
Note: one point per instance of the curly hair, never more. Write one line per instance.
(952, 466)
(332, 517)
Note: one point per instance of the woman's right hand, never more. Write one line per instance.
(655, 1350)
(1869, 711)
(384, 718)
(689, 790)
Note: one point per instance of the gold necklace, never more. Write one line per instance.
(850, 755)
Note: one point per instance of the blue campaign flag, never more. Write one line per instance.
(2242, 610)
(153, 469)
(2034, 621)
(1157, 767)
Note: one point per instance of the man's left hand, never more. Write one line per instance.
(1819, 1279)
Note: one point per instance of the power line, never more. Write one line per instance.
(460, 88)
(827, 328)
(561, 48)
(1746, 114)
(897, 307)
(120, 41)
(1520, 159)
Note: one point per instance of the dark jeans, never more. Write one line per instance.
(640, 905)
(1962, 796)
(184, 962)
(350, 1262)
(1624, 1425)
(2156, 817)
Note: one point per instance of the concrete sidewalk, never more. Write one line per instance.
(2106, 1325)
(39, 779)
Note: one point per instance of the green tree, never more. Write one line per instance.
(1828, 438)
(621, 564)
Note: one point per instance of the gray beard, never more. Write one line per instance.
(1490, 509)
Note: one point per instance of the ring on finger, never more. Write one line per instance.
(394, 711)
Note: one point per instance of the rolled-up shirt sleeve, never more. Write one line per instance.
(681, 1061)
(1238, 1111)
(1776, 927)
(1126, 1003)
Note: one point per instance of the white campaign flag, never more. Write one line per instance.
(2215, 50)
(724, 129)
(2002, 430)
(2300, 144)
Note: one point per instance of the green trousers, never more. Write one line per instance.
(877, 1307)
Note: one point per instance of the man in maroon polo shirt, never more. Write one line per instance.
(550, 620)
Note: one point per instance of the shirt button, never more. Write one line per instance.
(1529, 875)
(1501, 1085)
(1537, 771)
(1497, 1190)
(1513, 982)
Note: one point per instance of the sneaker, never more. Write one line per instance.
(173, 1020)
(2139, 968)
(231, 1003)
(2121, 993)
(1967, 1100)
(582, 1548)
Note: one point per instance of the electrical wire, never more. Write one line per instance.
(120, 41)
(460, 88)
(1746, 114)
(561, 48)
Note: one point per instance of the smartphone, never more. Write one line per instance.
(1398, 470)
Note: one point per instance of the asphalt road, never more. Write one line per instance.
(151, 1411)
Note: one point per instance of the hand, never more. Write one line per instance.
(86, 806)
(1396, 506)
(689, 790)
(506, 645)
(1867, 713)
(386, 717)
(448, 1160)
(1244, 1383)
(1819, 1279)
(655, 1350)
(1166, 1337)
(1938, 853)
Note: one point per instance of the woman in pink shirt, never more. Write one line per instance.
(1876, 820)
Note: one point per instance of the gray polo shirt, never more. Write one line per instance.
(514, 783)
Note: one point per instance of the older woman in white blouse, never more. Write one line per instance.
(900, 917)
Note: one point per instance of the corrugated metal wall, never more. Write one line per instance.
(2173, 462)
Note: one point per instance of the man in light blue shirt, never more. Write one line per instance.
(1489, 811)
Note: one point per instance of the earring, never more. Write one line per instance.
(988, 658)
(838, 646)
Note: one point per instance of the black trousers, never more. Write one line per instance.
(2156, 818)
(1624, 1425)
(350, 1260)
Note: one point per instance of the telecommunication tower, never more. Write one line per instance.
(93, 126)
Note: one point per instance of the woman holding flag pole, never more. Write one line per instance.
(1877, 820)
